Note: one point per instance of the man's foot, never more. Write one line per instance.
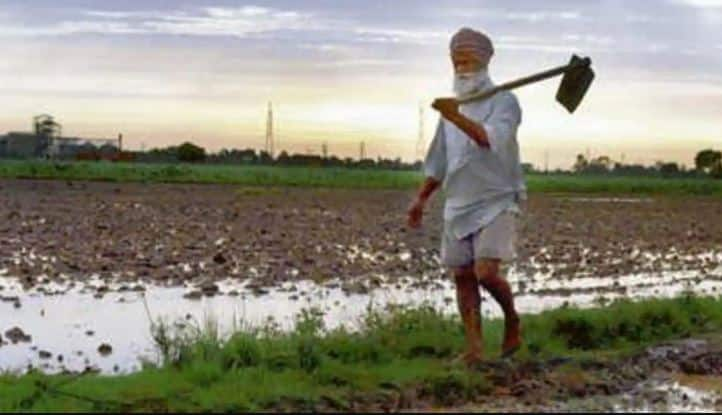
(512, 337)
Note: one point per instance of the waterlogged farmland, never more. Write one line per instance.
(88, 270)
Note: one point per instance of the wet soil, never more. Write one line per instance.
(172, 233)
(670, 377)
(56, 231)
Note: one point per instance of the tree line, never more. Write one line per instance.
(708, 162)
(191, 153)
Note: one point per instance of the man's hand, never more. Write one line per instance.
(415, 213)
(448, 107)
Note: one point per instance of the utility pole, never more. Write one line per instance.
(269, 130)
(324, 149)
(546, 161)
(120, 143)
(362, 151)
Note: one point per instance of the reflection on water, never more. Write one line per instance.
(72, 320)
(669, 396)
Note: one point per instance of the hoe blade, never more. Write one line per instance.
(575, 83)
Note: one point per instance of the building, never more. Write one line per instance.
(23, 145)
(29, 145)
(47, 141)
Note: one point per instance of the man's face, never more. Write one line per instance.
(465, 62)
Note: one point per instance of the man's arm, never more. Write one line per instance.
(416, 210)
(428, 188)
(476, 132)
(500, 126)
(449, 109)
(434, 170)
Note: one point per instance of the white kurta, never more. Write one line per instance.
(479, 183)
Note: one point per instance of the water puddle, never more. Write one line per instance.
(71, 324)
(669, 396)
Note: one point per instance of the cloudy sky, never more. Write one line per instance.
(166, 71)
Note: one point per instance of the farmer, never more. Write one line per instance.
(475, 155)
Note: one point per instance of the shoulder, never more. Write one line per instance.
(506, 102)
(507, 99)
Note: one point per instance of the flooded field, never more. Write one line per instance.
(69, 322)
(85, 268)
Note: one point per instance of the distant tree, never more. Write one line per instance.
(246, 156)
(708, 161)
(669, 169)
(581, 164)
(632, 170)
(603, 161)
(264, 157)
(528, 168)
(189, 152)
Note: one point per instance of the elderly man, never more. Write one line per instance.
(475, 155)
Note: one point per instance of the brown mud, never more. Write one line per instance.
(172, 233)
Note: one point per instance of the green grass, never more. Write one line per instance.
(624, 185)
(222, 174)
(312, 368)
(333, 177)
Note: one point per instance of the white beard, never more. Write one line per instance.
(469, 83)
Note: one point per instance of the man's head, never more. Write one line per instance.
(471, 52)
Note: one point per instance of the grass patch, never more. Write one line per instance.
(221, 174)
(311, 368)
(332, 177)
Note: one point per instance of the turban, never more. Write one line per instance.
(473, 41)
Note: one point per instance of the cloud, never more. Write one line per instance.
(645, 18)
(365, 62)
(534, 17)
(589, 39)
(123, 15)
(702, 3)
(211, 21)
(246, 11)
(227, 21)
(70, 28)
(382, 35)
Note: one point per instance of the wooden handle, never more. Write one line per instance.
(526, 80)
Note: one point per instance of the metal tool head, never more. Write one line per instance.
(575, 83)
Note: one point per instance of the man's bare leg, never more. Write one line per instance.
(487, 271)
(469, 302)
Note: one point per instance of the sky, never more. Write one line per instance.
(167, 71)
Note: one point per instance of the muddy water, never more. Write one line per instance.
(668, 396)
(659, 395)
(68, 322)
